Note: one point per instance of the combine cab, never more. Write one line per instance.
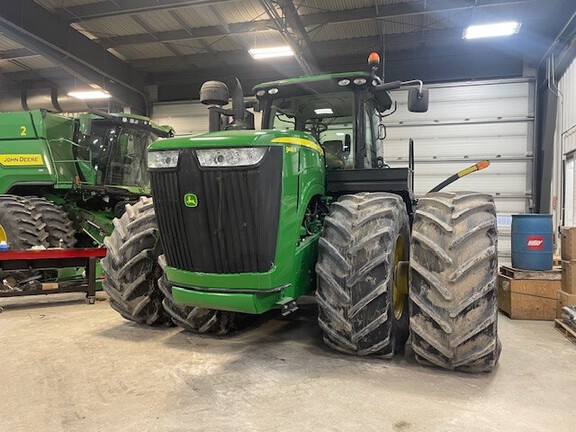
(244, 221)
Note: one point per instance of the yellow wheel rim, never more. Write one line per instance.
(3, 236)
(400, 290)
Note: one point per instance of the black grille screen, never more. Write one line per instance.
(234, 227)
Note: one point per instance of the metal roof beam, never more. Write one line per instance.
(301, 51)
(293, 20)
(17, 53)
(32, 26)
(122, 7)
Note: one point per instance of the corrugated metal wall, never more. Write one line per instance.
(466, 122)
(565, 149)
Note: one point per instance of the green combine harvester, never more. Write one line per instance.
(64, 180)
(243, 221)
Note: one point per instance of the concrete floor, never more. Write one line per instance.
(69, 366)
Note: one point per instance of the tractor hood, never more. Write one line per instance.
(244, 138)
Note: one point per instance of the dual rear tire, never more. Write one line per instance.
(451, 308)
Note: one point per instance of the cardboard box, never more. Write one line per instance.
(533, 299)
(568, 243)
(569, 277)
(564, 299)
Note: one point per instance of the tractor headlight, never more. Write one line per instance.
(231, 156)
(163, 159)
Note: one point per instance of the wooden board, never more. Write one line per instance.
(568, 243)
(514, 273)
(569, 277)
(564, 299)
(566, 330)
(532, 299)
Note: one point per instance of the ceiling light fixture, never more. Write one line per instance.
(89, 94)
(264, 53)
(491, 30)
(324, 111)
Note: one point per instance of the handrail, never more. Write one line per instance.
(63, 161)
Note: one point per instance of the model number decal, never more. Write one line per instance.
(21, 159)
(22, 130)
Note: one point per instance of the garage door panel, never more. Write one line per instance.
(473, 147)
(464, 130)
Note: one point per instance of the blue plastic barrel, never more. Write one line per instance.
(532, 241)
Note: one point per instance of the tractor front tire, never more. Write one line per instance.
(363, 306)
(453, 298)
(131, 269)
(133, 277)
(195, 319)
(60, 229)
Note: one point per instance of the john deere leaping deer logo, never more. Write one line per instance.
(190, 200)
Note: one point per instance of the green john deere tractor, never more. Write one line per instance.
(63, 180)
(243, 221)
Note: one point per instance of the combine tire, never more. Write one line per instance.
(453, 299)
(131, 269)
(22, 228)
(61, 232)
(363, 306)
(197, 320)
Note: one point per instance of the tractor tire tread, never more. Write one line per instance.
(453, 270)
(355, 274)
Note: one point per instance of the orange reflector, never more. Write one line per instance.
(374, 59)
(482, 164)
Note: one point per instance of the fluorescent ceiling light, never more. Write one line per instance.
(89, 94)
(492, 30)
(324, 111)
(263, 53)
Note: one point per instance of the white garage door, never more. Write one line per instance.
(185, 117)
(468, 122)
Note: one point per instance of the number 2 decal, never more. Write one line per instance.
(22, 130)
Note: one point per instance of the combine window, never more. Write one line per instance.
(119, 154)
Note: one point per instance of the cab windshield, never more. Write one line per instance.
(331, 119)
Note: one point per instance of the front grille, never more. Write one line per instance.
(234, 227)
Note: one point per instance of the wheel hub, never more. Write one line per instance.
(3, 236)
(401, 268)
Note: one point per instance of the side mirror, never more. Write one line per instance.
(85, 124)
(417, 100)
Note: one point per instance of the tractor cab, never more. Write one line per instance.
(338, 110)
(343, 112)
